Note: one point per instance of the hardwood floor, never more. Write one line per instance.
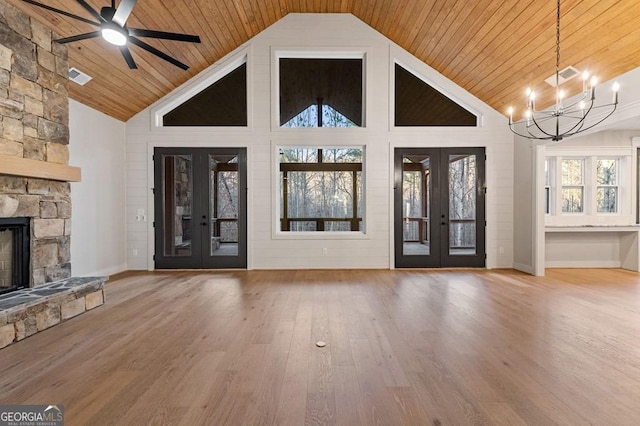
(403, 348)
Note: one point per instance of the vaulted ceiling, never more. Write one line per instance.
(491, 48)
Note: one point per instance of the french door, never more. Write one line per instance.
(439, 213)
(200, 208)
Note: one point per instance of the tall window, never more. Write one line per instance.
(321, 189)
(573, 186)
(607, 190)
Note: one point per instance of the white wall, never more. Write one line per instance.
(98, 235)
(525, 205)
(374, 250)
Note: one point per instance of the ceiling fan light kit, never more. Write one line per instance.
(563, 119)
(114, 35)
(112, 28)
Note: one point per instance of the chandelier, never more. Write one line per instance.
(567, 117)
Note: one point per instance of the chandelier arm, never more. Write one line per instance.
(580, 123)
(577, 102)
(527, 136)
(533, 119)
(577, 127)
(596, 123)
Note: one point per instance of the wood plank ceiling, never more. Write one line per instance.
(492, 48)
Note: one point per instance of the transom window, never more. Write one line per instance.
(417, 103)
(223, 103)
(321, 189)
(321, 92)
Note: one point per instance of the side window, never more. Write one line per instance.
(548, 170)
(573, 185)
(607, 189)
(588, 187)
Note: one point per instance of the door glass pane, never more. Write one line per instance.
(462, 204)
(177, 179)
(223, 202)
(416, 176)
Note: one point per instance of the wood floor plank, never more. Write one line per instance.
(403, 347)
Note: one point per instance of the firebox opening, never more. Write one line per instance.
(14, 253)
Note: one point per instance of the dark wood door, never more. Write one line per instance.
(439, 207)
(200, 208)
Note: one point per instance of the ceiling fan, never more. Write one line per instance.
(112, 27)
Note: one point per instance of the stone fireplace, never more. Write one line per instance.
(34, 117)
(34, 181)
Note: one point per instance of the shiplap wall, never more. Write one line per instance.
(336, 32)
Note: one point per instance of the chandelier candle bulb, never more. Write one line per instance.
(594, 83)
(615, 89)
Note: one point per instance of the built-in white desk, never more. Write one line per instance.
(592, 246)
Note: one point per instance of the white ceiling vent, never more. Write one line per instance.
(78, 76)
(563, 76)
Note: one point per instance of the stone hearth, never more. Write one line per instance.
(28, 311)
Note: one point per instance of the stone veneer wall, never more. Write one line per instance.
(34, 124)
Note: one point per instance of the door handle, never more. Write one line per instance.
(204, 224)
(443, 223)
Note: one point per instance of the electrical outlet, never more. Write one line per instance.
(325, 251)
(501, 250)
(135, 252)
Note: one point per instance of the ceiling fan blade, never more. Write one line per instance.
(126, 53)
(158, 53)
(62, 12)
(78, 37)
(139, 32)
(123, 11)
(91, 10)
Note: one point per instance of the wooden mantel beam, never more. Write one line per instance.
(18, 166)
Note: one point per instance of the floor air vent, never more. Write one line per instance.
(78, 76)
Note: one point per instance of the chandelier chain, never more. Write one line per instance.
(557, 42)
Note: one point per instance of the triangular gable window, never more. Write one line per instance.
(309, 118)
(328, 84)
(224, 103)
(419, 104)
